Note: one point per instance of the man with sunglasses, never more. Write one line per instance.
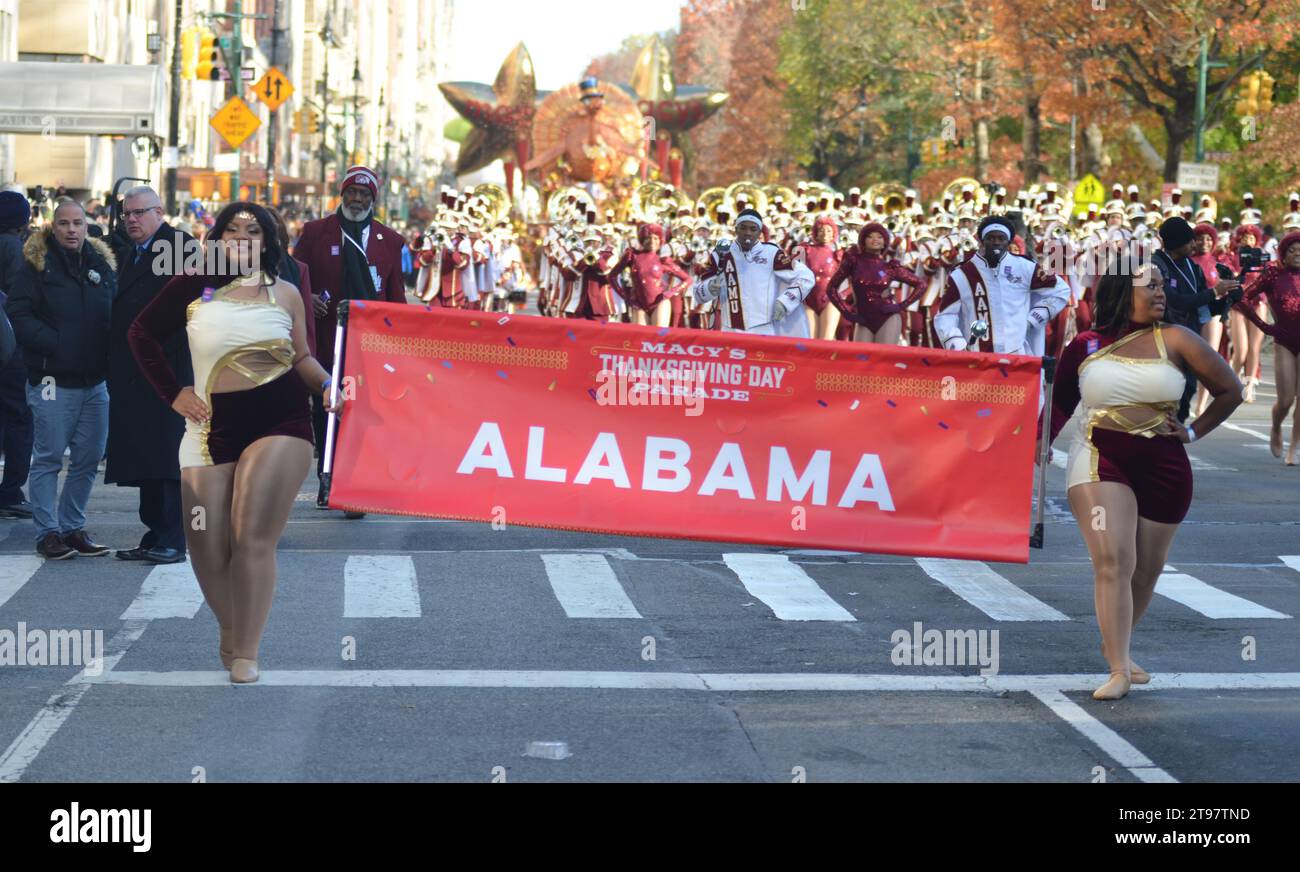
(144, 435)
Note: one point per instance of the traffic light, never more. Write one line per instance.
(189, 52)
(1248, 95)
(208, 68)
(313, 123)
(1265, 92)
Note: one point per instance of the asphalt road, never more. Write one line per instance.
(408, 650)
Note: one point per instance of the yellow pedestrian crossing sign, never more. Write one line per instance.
(273, 88)
(235, 122)
(1089, 190)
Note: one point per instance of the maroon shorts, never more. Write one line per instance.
(1156, 469)
(240, 418)
(873, 315)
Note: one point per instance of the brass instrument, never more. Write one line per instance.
(819, 191)
(786, 194)
(953, 190)
(711, 199)
(494, 199)
(557, 202)
(656, 202)
(590, 258)
(751, 192)
(894, 195)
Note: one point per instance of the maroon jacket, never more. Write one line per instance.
(321, 249)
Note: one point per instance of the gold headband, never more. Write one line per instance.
(244, 216)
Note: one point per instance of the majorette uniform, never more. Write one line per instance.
(823, 260)
(1281, 286)
(1126, 395)
(649, 271)
(871, 276)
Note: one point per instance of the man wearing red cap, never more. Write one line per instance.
(351, 257)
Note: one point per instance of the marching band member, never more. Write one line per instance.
(758, 287)
(592, 297)
(1279, 283)
(878, 319)
(457, 260)
(822, 257)
(647, 295)
(1013, 295)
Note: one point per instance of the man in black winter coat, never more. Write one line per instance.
(15, 417)
(1189, 300)
(144, 434)
(60, 305)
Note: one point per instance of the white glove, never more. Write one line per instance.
(779, 310)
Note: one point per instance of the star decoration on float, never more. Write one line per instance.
(501, 115)
(674, 108)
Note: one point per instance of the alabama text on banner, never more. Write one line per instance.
(695, 434)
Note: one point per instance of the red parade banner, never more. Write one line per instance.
(575, 425)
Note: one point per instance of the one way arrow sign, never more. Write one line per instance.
(273, 88)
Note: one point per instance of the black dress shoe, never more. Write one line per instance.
(164, 555)
(20, 511)
(131, 553)
(354, 516)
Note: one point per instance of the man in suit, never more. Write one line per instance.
(351, 256)
(144, 435)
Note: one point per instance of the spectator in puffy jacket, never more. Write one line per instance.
(61, 306)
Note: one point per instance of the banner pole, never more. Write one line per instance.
(1044, 452)
(340, 334)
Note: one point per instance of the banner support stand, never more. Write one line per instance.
(331, 424)
(1044, 452)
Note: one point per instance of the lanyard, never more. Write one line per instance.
(354, 242)
(1189, 276)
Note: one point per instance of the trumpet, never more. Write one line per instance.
(440, 238)
(699, 245)
(590, 258)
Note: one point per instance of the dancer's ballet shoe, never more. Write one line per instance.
(243, 671)
(1116, 688)
(1138, 675)
(225, 649)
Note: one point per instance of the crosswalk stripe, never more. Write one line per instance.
(1291, 560)
(1207, 599)
(380, 586)
(785, 588)
(15, 571)
(988, 591)
(586, 586)
(1109, 741)
(169, 591)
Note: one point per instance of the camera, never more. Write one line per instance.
(1251, 259)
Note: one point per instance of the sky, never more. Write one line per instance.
(562, 35)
